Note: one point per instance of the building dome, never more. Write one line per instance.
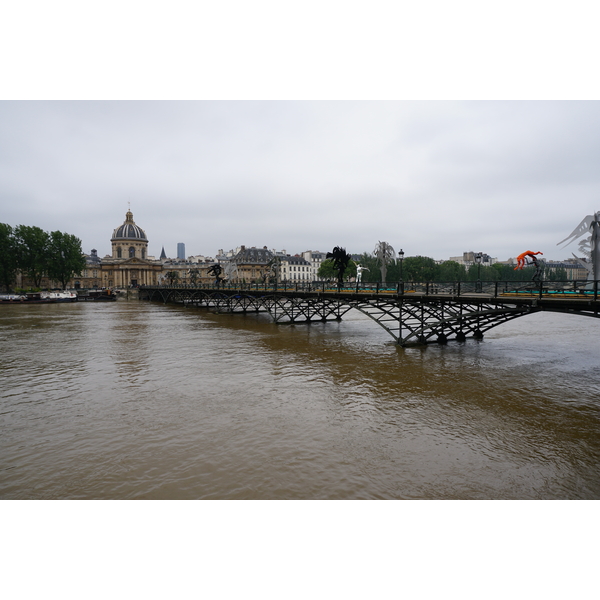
(129, 240)
(129, 230)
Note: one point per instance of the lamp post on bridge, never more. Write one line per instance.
(401, 257)
(478, 259)
(401, 282)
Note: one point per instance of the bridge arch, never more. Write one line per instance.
(421, 323)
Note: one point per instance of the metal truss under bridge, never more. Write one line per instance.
(412, 313)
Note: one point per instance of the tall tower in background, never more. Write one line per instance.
(180, 251)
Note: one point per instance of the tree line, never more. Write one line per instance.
(36, 254)
(424, 268)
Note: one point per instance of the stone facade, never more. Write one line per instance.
(128, 266)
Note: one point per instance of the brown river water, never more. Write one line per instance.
(135, 400)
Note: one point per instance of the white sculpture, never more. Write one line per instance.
(231, 271)
(590, 246)
(359, 271)
(385, 254)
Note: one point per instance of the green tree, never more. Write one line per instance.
(507, 272)
(482, 273)
(350, 270)
(450, 271)
(9, 259)
(65, 257)
(33, 245)
(501, 272)
(559, 274)
(419, 268)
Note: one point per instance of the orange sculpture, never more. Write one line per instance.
(522, 258)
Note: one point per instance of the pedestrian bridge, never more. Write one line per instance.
(412, 313)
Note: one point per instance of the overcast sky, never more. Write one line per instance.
(336, 157)
(434, 178)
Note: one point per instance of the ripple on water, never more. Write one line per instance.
(136, 400)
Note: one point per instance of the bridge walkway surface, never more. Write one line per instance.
(412, 313)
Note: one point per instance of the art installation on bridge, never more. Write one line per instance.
(522, 259)
(340, 262)
(231, 270)
(590, 246)
(216, 270)
(359, 270)
(539, 265)
(384, 254)
(274, 269)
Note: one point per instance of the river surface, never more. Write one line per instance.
(149, 401)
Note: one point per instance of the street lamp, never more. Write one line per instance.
(401, 257)
(401, 283)
(478, 259)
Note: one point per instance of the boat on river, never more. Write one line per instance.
(38, 298)
(28, 298)
(98, 296)
(59, 296)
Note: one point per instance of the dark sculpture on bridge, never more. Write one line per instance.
(216, 270)
(539, 266)
(340, 262)
(273, 268)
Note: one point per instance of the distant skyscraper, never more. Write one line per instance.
(180, 251)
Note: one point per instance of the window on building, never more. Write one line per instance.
(131, 252)
(119, 253)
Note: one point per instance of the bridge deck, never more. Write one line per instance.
(423, 313)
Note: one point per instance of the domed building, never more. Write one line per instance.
(129, 265)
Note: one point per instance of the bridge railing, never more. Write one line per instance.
(570, 288)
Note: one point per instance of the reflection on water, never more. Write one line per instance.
(139, 400)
